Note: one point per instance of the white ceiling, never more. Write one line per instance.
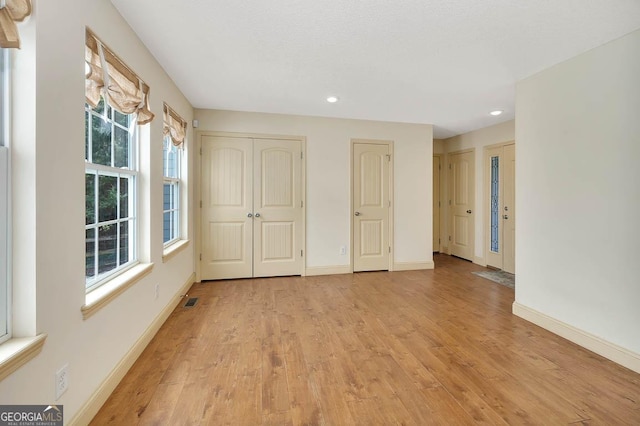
(442, 62)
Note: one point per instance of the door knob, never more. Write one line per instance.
(469, 211)
(249, 215)
(358, 213)
(505, 217)
(257, 214)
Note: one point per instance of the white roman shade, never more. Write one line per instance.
(174, 126)
(14, 11)
(109, 76)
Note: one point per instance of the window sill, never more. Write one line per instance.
(14, 353)
(100, 297)
(174, 249)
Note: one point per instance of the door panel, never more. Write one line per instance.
(227, 167)
(509, 240)
(462, 193)
(277, 203)
(371, 207)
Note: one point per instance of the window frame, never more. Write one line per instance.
(175, 191)
(5, 199)
(132, 174)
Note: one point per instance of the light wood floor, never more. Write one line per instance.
(416, 347)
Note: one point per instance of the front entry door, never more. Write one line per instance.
(371, 206)
(461, 203)
(251, 207)
(509, 215)
(500, 166)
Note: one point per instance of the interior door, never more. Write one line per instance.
(461, 203)
(371, 207)
(436, 203)
(277, 225)
(227, 241)
(509, 214)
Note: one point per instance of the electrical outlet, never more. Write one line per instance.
(62, 380)
(343, 250)
(157, 290)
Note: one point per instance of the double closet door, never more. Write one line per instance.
(252, 210)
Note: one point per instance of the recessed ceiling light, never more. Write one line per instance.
(496, 112)
(332, 99)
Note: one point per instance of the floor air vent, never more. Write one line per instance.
(191, 302)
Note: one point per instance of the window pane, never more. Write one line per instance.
(86, 135)
(101, 141)
(107, 198)
(90, 198)
(167, 228)
(122, 119)
(121, 140)
(166, 197)
(171, 158)
(495, 201)
(124, 197)
(107, 236)
(124, 242)
(90, 255)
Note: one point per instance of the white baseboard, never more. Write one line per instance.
(412, 266)
(327, 270)
(609, 350)
(100, 396)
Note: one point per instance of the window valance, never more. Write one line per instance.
(174, 126)
(13, 11)
(108, 76)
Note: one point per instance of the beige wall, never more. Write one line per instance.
(578, 195)
(328, 178)
(47, 146)
(478, 140)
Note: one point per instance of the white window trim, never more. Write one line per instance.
(134, 172)
(5, 196)
(5, 237)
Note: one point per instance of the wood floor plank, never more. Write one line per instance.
(413, 348)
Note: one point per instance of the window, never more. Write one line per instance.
(111, 173)
(5, 293)
(117, 103)
(171, 192)
(174, 130)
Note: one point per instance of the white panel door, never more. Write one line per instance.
(277, 204)
(371, 207)
(461, 203)
(509, 215)
(227, 241)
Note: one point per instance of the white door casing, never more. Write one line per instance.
(461, 203)
(371, 206)
(436, 203)
(252, 207)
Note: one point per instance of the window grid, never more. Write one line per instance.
(171, 193)
(111, 188)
